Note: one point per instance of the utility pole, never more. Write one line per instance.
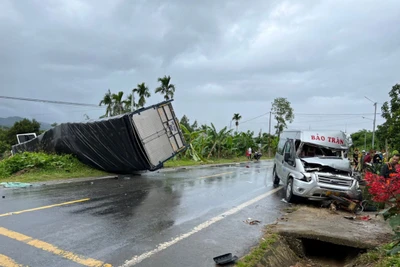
(269, 135)
(365, 141)
(373, 133)
(132, 101)
(373, 130)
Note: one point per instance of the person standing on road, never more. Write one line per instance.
(376, 159)
(249, 153)
(389, 168)
(355, 158)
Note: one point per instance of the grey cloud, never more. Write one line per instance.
(221, 54)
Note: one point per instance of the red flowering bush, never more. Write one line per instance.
(384, 189)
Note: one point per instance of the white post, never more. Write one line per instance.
(132, 101)
(269, 135)
(373, 132)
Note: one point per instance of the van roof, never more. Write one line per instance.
(332, 139)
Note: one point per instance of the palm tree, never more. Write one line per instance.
(166, 88)
(118, 103)
(107, 100)
(128, 103)
(143, 91)
(236, 118)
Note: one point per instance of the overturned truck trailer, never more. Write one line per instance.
(140, 140)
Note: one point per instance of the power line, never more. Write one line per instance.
(333, 114)
(315, 114)
(50, 101)
(254, 118)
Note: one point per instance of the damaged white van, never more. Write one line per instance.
(314, 164)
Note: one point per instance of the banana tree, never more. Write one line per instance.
(218, 139)
(190, 137)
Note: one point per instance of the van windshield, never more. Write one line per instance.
(310, 151)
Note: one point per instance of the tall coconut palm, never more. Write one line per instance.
(166, 88)
(143, 92)
(108, 102)
(118, 103)
(236, 118)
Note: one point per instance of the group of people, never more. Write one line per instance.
(388, 165)
(250, 156)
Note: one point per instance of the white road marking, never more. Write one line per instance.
(139, 258)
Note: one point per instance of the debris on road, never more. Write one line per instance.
(252, 222)
(284, 200)
(15, 185)
(224, 259)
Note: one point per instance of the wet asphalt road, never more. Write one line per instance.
(200, 210)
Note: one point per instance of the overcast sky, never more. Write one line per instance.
(224, 57)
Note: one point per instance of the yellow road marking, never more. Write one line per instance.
(215, 175)
(44, 207)
(52, 249)
(8, 262)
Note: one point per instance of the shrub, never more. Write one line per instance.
(30, 161)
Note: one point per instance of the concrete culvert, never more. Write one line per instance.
(329, 254)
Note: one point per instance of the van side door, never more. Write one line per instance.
(289, 160)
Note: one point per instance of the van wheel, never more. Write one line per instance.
(289, 192)
(275, 176)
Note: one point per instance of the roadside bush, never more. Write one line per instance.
(387, 190)
(31, 161)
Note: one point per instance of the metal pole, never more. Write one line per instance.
(365, 141)
(269, 135)
(132, 101)
(373, 131)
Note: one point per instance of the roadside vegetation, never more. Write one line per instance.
(189, 162)
(257, 254)
(33, 167)
(380, 257)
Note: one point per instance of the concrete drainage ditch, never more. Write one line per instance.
(315, 237)
(304, 252)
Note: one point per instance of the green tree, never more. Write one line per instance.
(236, 118)
(243, 141)
(118, 103)
(54, 124)
(108, 102)
(391, 113)
(283, 113)
(20, 127)
(143, 92)
(4, 146)
(362, 139)
(185, 122)
(166, 88)
(217, 138)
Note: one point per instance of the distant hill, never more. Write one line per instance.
(9, 121)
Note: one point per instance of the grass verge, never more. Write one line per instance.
(38, 167)
(379, 257)
(256, 254)
(187, 162)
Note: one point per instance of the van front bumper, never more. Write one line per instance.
(316, 190)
